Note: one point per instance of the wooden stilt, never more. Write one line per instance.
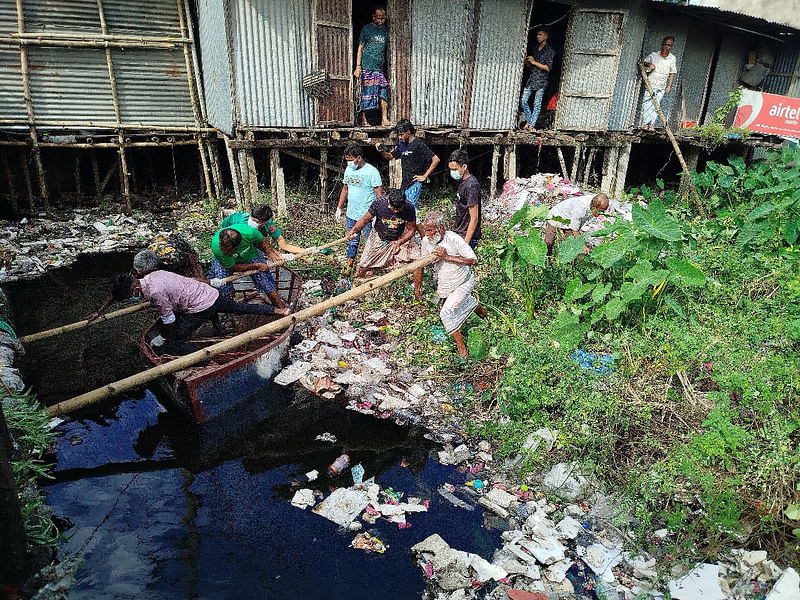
(277, 182)
(576, 160)
(26, 172)
(205, 176)
(510, 162)
(562, 162)
(247, 167)
(26, 92)
(12, 191)
(610, 158)
(213, 159)
(78, 194)
(395, 174)
(304, 165)
(233, 165)
(95, 172)
(111, 170)
(587, 170)
(622, 170)
(493, 176)
(323, 177)
(692, 157)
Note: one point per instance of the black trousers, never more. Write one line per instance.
(187, 323)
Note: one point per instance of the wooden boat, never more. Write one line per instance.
(205, 393)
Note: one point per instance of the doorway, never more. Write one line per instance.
(362, 11)
(554, 17)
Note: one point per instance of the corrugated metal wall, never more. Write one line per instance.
(698, 54)
(591, 56)
(785, 70)
(732, 55)
(658, 27)
(628, 87)
(499, 57)
(271, 42)
(213, 41)
(441, 33)
(71, 85)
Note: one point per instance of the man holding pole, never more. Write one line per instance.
(184, 304)
(240, 248)
(661, 68)
(389, 243)
(261, 218)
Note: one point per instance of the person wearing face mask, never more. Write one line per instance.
(467, 222)
(417, 161)
(261, 219)
(361, 185)
(455, 281)
(183, 303)
(390, 242)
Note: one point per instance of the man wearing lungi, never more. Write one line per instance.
(454, 279)
(369, 67)
(241, 248)
(389, 243)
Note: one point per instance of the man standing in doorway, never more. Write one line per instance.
(361, 185)
(416, 159)
(369, 66)
(540, 62)
(661, 68)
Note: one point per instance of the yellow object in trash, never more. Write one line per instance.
(342, 364)
(448, 407)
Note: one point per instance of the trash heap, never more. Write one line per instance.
(33, 245)
(574, 551)
(363, 500)
(542, 188)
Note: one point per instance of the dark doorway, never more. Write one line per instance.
(554, 17)
(362, 15)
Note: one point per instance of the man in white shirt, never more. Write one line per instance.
(454, 279)
(570, 215)
(661, 69)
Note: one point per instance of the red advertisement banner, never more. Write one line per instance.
(768, 113)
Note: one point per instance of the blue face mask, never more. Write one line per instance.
(351, 163)
(455, 174)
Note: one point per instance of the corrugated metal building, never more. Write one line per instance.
(68, 69)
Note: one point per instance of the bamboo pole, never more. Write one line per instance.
(83, 43)
(675, 145)
(188, 360)
(12, 190)
(323, 177)
(26, 92)
(234, 169)
(33, 337)
(587, 170)
(493, 177)
(26, 174)
(311, 160)
(104, 125)
(15, 143)
(198, 80)
(78, 179)
(99, 37)
(562, 162)
(123, 161)
(96, 173)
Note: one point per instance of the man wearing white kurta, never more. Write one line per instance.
(661, 68)
(454, 279)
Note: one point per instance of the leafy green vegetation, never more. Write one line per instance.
(28, 423)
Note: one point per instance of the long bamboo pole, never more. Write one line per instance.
(675, 145)
(104, 125)
(26, 92)
(100, 144)
(235, 342)
(27, 41)
(143, 40)
(33, 337)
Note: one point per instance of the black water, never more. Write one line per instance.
(160, 509)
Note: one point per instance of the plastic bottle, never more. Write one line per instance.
(339, 465)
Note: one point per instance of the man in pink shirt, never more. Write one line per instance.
(184, 304)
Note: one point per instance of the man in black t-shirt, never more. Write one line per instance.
(416, 159)
(468, 199)
(389, 243)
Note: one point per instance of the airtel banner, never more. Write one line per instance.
(768, 113)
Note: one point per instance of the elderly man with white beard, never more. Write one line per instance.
(455, 281)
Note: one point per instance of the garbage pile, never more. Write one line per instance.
(542, 188)
(33, 245)
(573, 551)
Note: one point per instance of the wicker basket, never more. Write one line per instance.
(317, 84)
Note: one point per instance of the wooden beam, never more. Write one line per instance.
(562, 162)
(323, 177)
(610, 158)
(510, 162)
(622, 170)
(277, 182)
(311, 160)
(233, 165)
(493, 176)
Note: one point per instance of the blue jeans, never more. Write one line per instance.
(412, 194)
(352, 245)
(263, 280)
(531, 116)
